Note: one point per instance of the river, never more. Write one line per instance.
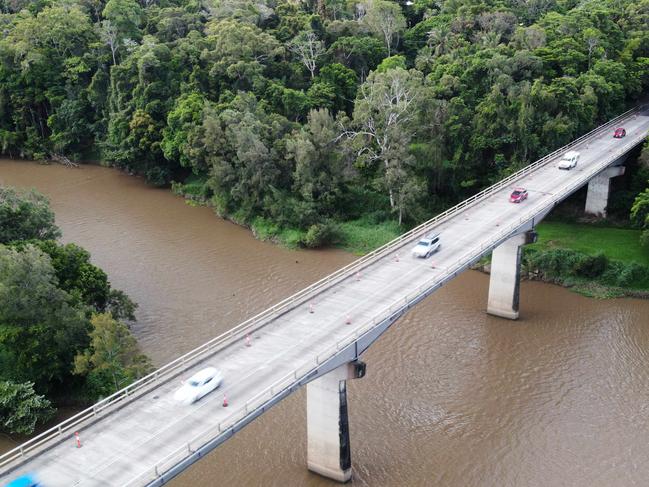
(452, 396)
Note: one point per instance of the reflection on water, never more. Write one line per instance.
(452, 397)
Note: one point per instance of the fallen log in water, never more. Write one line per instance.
(63, 160)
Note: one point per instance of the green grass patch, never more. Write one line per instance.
(364, 235)
(619, 244)
(265, 229)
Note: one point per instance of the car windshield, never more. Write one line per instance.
(194, 383)
(516, 193)
(424, 243)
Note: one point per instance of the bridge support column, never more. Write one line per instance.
(598, 191)
(505, 279)
(329, 452)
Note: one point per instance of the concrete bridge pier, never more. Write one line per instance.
(598, 191)
(328, 450)
(505, 278)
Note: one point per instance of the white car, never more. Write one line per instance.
(427, 246)
(569, 160)
(198, 385)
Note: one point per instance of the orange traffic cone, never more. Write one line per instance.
(225, 401)
(76, 437)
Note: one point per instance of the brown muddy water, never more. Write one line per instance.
(452, 397)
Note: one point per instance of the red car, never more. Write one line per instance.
(619, 133)
(518, 195)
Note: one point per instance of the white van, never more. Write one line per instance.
(569, 160)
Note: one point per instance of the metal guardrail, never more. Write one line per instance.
(395, 309)
(258, 321)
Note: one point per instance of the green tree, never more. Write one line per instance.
(319, 164)
(113, 359)
(41, 327)
(243, 144)
(362, 54)
(125, 16)
(238, 53)
(21, 408)
(639, 209)
(391, 63)
(45, 62)
(179, 137)
(25, 215)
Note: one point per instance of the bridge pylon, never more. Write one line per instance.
(505, 278)
(329, 450)
(599, 189)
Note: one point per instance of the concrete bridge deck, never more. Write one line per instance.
(135, 441)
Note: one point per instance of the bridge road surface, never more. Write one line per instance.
(130, 441)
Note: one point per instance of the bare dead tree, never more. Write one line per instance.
(384, 124)
(308, 48)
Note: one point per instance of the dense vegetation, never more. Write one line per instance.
(60, 331)
(591, 274)
(293, 115)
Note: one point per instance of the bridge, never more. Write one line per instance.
(140, 436)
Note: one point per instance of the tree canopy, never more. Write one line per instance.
(57, 311)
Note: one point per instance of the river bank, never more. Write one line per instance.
(592, 260)
(357, 236)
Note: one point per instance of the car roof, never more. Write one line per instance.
(204, 374)
(24, 481)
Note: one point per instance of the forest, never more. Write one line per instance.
(287, 115)
(64, 335)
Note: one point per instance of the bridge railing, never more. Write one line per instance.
(393, 311)
(238, 332)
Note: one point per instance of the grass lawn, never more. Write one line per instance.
(616, 243)
(362, 236)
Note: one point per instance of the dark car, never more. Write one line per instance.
(619, 133)
(518, 195)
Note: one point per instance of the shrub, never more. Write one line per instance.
(632, 273)
(555, 262)
(590, 266)
(320, 234)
